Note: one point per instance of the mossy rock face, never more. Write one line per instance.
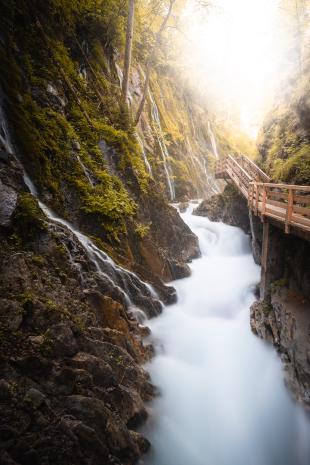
(28, 219)
(284, 142)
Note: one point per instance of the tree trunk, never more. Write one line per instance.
(128, 49)
(150, 62)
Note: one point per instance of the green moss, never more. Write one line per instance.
(142, 229)
(46, 345)
(296, 168)
(38, 260)
(277, 285)
(28, 219)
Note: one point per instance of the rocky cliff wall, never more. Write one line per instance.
(72, 317)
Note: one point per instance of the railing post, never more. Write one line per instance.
(249, 195)
(256, 198)
(264, 202)
(289, 210)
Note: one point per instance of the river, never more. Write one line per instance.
(222, 395)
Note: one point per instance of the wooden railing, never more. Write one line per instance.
(288, 205)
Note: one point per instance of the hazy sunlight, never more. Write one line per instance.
(236, 50)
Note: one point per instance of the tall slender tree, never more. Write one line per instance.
(128, 50)
(151, 61)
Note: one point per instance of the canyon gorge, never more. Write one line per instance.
(132, 325)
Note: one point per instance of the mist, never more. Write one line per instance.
(223, 399)
(239, 54)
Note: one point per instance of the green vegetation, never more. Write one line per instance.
(50, 124)
(28, 219)
(284, 142)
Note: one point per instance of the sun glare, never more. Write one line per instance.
(235, 51)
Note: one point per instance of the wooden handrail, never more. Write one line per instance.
(283, 186)
(288, 204)
(260, 172)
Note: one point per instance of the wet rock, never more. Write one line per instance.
(76, 145)
(285, 322)
(8, 201)
(64, 342)
(179, 270)
(6, 459)
(100, 370)
(183, 206)
(4, 154)
(229, 207)
(35, 397)
(38, 366)
(143, 443)
(36, 340)
(109, 313)
(5, 391)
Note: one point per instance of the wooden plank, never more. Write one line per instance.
(302, 210)
(234, 163)
(275, 203)
(260, 172)
(303, 199)
(302, 227)
(280, 213)
(283, 203)
(302, 220)
(277, 195)
(285, 186)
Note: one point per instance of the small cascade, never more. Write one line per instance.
(147, 163)
(213, 141)
(134, 291)
(82, 73)
(85, 170)
(162, 145)
(5, 142)
(120, 76)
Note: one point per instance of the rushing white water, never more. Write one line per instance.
(162, 146)
(213, 141)
(223, 399)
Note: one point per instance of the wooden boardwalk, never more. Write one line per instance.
(285, 205)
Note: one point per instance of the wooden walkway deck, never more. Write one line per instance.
(285, 205)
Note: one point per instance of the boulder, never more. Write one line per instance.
(64, 342)
(8, 201)
(35, 397)
(100, 370)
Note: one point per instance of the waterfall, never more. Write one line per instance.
(147, 163)
(120, 76)
(135, 292)
(162, 146)
(5, 141)
(213, 141)
(85, 170)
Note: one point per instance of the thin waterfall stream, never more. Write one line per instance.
(213, 141)
(222, 398)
